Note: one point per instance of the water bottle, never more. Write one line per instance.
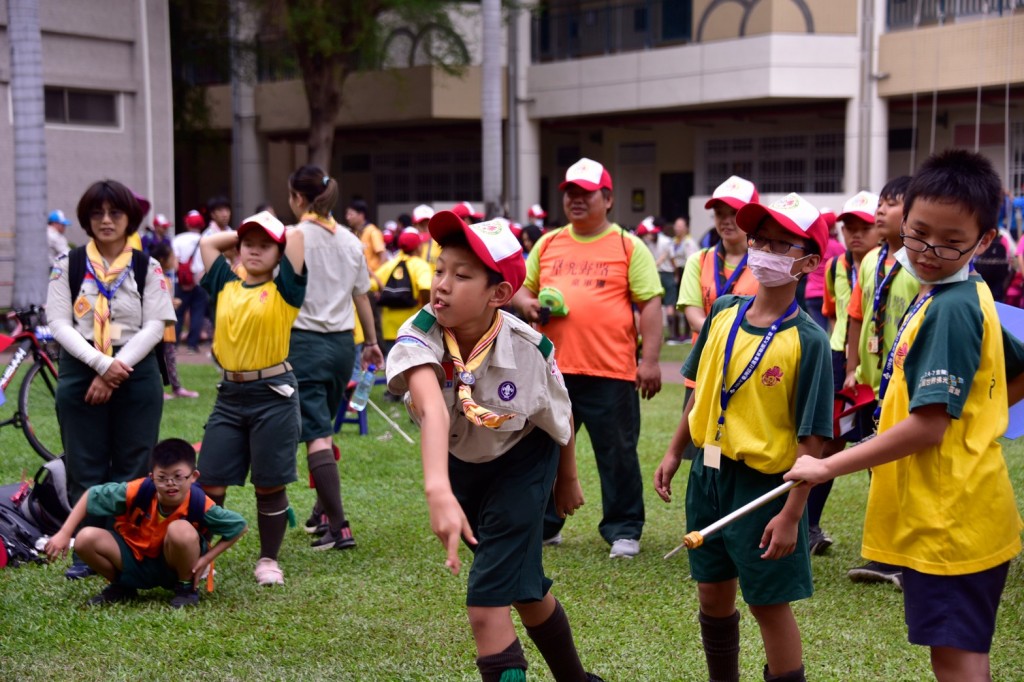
(357, 373)
(362, 392)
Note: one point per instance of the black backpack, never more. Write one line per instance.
(994, 267)
(398, 290)
(18, 537)
(48, 505)
(140, 268)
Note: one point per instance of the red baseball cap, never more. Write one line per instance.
(160, 220)
(465, 210)
(588, 174)
(409, 240)
(736, 192)
(265, 221)
(492, 241)
(537, 211)
(194, 219)
(794, 213)
(861, 205)
(421, 213)
(647, 226)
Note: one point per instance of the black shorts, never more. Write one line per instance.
(504, 500)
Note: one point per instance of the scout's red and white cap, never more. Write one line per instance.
(588, 174)
(647, 226)
(409, 240)
(421, 213)
(160, 220)
(194, 219)
(492, 241)
(465, 210)
(735, 192)
(537, 211)
(794, 213)
(861, 205)
(265, 221)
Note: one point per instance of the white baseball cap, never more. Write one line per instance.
(861, 205)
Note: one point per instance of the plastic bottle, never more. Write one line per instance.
(362, 392)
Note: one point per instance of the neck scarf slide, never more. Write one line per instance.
(480, 416)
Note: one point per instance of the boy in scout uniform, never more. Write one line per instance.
(497, 436)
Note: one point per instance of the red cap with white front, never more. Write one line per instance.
(265, 221)
(861, 205)
(465, 210)
(795, 214)
(647, 226)
(492, 241)
(194, 219)
(160, 220)
(735, 192)
(421, 213)
(588, 174)
(537, 211)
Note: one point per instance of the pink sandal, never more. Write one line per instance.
(267, 572)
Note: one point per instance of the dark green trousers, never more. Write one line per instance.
(112, 441)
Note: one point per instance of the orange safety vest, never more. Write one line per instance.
(144, 528)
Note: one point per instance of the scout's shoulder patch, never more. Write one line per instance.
(535, 338)
(424, 321)
(55, 272)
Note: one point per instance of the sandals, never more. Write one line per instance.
(267, 572)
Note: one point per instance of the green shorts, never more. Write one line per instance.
(147, 573)
(253, 428)
(504, 500)
(322, 364)
(733, 552)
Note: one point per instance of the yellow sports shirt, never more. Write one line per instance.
(253, 323)
(949, 510)
(788, 396)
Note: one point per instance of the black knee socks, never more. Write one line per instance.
(272, 520)
(792, 676)
(554, 640)
(721, 638)
(219, 499)
(512, 660)
(324, 471)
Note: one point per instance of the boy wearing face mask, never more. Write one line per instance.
(941, 503)
(763, 397)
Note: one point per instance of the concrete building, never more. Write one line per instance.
(106, 72)
(823, 97)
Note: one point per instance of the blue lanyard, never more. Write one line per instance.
(883, 385)
(722, 288)
(727, 393)
(882, 283)
(108, 294)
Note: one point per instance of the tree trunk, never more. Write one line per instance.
(31, 255)
(490, 107)
(323, 94)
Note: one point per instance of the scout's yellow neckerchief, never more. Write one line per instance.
(108, 281)
(480, 416)
(328, 223)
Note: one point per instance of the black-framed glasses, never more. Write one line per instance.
(776, 246)
(177, 480)
(942, 252)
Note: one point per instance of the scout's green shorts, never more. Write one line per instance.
(322, 364)
(733, 552)
(504, 500)
(147, 573)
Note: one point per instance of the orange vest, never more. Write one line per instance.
(598, 337)
(144, 530)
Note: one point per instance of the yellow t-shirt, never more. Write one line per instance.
(421, 274)
(788, 396)
(254, 323)
(949, 510)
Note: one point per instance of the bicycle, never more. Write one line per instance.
(36, 413)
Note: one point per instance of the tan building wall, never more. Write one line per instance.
(961, 56)
(725, 19)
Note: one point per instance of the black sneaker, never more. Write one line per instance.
(341, 540)
(591, 677)
(316, 524)
(818, 540)
(877, 572)
(185, 594)
(114, 593)
(78, 569)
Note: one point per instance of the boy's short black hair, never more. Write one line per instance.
(171, 451)
(218, 201)
(160, 252)
(958, 176)
(404, 220)
(459, 239)
(896, 188)
(811, 248)
(359, 206)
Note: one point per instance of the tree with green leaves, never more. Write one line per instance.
(334, 38)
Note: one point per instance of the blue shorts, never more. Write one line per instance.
(733, 552)
(957, 611)
(838, 369)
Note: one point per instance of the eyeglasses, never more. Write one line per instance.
(114, 213)
(177, 480)
(776, 246)
(941, 252)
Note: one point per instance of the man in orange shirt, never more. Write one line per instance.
(600, 271)
(373, 246)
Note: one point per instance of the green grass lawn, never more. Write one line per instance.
(388, 610)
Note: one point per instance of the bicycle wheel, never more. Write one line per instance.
(37, 405)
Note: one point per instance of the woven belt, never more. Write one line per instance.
(257, 374)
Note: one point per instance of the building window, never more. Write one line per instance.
(422, 177)
(811, 163)
(81, 107)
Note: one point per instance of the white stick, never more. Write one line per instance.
(729, 518)
(390, 421)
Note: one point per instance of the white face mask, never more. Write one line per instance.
(771, 269)
(961, 275)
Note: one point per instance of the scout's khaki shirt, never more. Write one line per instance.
(519, 376)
